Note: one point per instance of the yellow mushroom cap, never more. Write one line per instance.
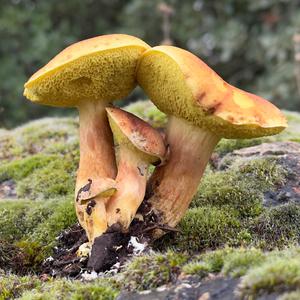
(100, 68)
(181, 84)
(131, 131)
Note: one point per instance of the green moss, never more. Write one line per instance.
(40, 136)
(205, 227)
(240, 186)
(14, 219)
(209, 262)
(151, 271)
(295, 295)
(238, 262)
(277, 227)
(55, 179)
(198, 268)
(30, 287)
(21, 168)
(277, 274)
(62, 216)
(51, 172)
(33, 225)
(147, 111)
(74, 290)
(228, 205)
(12, 286)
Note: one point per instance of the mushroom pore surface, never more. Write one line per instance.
(107, 75)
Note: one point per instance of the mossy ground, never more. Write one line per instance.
(40, 160)
(31, 287)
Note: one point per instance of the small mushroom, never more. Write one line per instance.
(89, 75)
(138, 145)
(202, 108)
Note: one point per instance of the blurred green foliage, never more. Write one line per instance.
(248, 42)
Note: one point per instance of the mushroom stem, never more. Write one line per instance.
(172, 186)
(96, 143)
(96, 167)
(131, 186)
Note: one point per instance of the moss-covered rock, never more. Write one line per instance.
(277, 226)
(206, 227)
(241, 186)
(228, 261)
(280, 272)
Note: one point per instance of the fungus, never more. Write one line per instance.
(89, 75)
(202, 108)
(138, 145)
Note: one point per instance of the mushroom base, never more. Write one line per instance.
(131, 186)
(172, 186)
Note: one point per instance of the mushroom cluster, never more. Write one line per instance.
(202, 108)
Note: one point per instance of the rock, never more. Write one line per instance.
(190, 288)
(287, 155)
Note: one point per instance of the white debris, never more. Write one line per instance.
(161, 288)
(182, 286)
(138, 248)
(114, 269)
(89, 276)
(49, 259)
(146, 292)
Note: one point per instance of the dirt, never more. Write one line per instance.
(108, 249)
(65, 262)
(114, 247)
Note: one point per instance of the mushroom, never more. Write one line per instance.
(202, 108)
(89, 75)
(138, 145)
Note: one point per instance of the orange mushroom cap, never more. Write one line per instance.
(135, 133)
(181, 84)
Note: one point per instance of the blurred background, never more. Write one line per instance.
(252, 44)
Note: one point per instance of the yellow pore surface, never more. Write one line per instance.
(180, 84)
(101, 68)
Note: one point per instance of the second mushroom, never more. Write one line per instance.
(137, 145)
